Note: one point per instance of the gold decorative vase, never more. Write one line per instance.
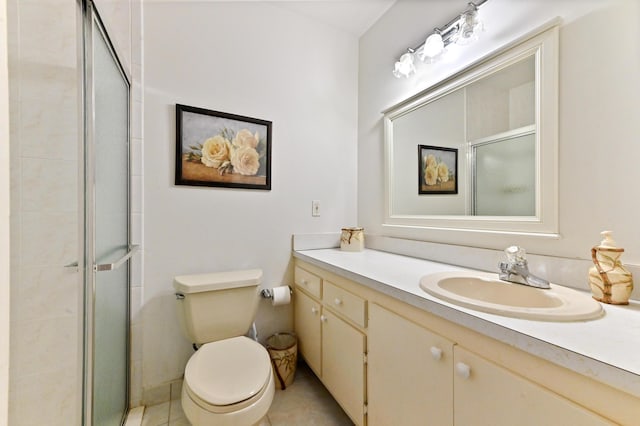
(609, 280)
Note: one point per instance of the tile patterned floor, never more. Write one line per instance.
(305, 403)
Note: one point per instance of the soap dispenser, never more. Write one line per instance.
(609, 280)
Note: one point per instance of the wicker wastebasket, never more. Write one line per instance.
(283, 350)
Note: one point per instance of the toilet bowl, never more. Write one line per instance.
(229, 379)
(229, 382)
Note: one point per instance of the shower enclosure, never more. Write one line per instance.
(69, 109)
(107, 249)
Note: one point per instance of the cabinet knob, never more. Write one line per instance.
(436, 353)
(337, 301)
(314, 310)
(305, 282)
(323, 318)
(463, 370)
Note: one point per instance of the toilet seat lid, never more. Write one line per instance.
(228, 371)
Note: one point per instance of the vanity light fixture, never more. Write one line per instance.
(463, 29)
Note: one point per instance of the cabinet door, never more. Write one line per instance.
(486, 394)
(343, 364)
(409, 374)
(307, 326)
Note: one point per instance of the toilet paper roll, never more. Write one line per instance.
(281, 295)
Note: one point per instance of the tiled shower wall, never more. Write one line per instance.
(46, 327)
(45, 336)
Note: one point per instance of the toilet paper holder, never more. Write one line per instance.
(268, 294)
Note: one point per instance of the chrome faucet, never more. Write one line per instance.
(516, 270)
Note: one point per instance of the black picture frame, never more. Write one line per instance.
(220, 149)
(442, 174)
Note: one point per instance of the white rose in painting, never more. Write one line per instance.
(245, 138)
(431, 175)
(430, 160)
(443, 172)
(215, 151)
(245, 160)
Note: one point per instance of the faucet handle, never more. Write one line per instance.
(516, 255)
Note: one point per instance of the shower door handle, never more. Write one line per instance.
(117, 263)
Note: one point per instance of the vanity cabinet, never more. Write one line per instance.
(343, 368)
(307, 318)
(410, 372)
(486, 394)
(329, 322)
(387, 362)
(417, 377)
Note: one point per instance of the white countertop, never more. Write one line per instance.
(606, 349)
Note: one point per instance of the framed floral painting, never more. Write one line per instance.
(221, 149)
(437, 170)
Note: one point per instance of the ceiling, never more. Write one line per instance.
(352, 16)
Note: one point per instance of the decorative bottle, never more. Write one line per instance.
(609, 280)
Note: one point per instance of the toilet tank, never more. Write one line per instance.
(218, 305)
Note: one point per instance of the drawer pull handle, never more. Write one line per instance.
(305, 282)
(463, 370)
(436, 353)
(323, 318)
(337, 301)
(314, 310)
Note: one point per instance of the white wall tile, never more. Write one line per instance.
(52, 184)
(137, 269)
(45, 345)
(136, 91)
(135, 388)
(46, 399)
(48, 32)
(46, 293)
(136, 228)
(136, 305)
(136, 194)
(136, 121)
(49, 129)
(136, 157)
(136, 32)
(49, 239)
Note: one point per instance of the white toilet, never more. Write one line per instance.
(228, 380)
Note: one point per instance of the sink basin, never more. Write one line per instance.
(484, 292)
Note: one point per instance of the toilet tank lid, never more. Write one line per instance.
(217, 281)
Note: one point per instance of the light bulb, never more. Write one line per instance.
(432, 47)
(404, 67)
(470, 26)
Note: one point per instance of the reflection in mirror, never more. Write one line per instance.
(492, 115)
(504, 175)
(485, 121)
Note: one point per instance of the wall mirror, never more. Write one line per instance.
(478, 151)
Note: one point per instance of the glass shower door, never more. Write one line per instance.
(107, 210)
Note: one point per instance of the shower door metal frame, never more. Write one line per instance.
(90, 268)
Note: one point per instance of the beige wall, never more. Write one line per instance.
(259, 60)
(597, 108)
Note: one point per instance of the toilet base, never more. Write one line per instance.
(250, 415)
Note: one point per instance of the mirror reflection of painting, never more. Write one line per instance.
(438, 170)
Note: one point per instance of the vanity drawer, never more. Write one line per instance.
(345, 303)
(307, 281)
